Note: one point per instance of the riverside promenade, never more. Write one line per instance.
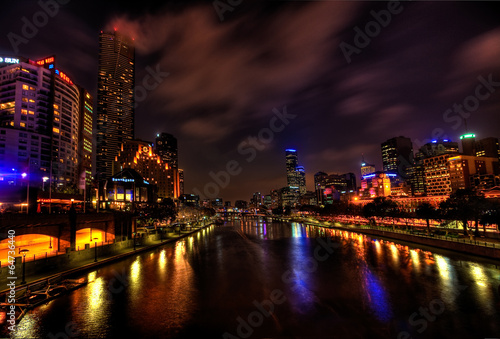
(65, 266)
(480, 246)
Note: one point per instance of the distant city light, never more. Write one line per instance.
(434, 141)
(467, 136)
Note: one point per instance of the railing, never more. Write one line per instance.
(432, 236)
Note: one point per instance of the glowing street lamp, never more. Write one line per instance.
(24, 175)
(24, 251)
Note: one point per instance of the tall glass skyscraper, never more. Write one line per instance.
(115, 99)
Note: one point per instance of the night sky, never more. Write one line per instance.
(228, 78)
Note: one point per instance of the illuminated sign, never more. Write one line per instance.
(64, 77)
(369, 176)
(145, 149)
(41, 62)
(291, 150)
(9, 60)
(391, 175)
(467, 136)
(122, 180)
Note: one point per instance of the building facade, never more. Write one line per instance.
(45, 133)
(115, 99)
(139, 155)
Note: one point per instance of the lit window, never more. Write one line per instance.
(56, 130)
(25, 87)
(24, 111)
(23, 124)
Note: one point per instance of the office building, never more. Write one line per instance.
(115, 99)
(45, 133)
(181, 181)
(397, 156)
(468, 144)
(166, 148)
(488, 147)
(291, 166)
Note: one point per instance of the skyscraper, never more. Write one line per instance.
(115, 98)
(397, 155)
(41, 136)
(291, 166)
(301, 178)
(468, 144)
(166, 148)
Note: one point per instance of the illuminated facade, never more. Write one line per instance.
(139, 155)
(181, 181)
(431, 149)
(376, 184)
(85, 138)
(166, 148)
(115, 99)
(437, 175)
(295, 177)
(397, 155)
(126, 189)
(367, 169)
(41, 131)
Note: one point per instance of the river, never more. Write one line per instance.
(259, 279)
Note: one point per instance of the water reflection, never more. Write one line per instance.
(207, 280)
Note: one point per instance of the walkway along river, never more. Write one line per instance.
(254, 279)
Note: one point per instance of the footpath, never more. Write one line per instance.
(82, 265)
(481, 246)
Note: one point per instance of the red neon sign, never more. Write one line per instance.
(44, 61)
(65, 78)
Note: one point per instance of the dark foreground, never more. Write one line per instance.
(269, 280)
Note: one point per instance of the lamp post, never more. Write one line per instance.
(24, 251)
(134, 240)
(95, 247)
(24, 175)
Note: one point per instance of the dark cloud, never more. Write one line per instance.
(226, 77)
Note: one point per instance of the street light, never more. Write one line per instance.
(24, 251)
(95, 260)
(24, 175)
(45, 179)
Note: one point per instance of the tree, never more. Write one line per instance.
(426, 211)
(463, 205)
(380, 207)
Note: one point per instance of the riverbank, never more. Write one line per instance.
(487, 248)
(71, 263)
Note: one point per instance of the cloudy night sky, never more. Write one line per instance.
(227, 78)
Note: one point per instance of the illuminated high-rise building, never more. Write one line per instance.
(181, 181)
(166, 148)
(468, 144)
(85, 138)
(45, 131)
(301, 178)
(292, 162)
(397, 155)
(115, 99)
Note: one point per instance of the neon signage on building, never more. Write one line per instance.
(8, 60)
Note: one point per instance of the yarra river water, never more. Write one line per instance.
(258, 279)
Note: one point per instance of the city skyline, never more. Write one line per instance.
(406, 81)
